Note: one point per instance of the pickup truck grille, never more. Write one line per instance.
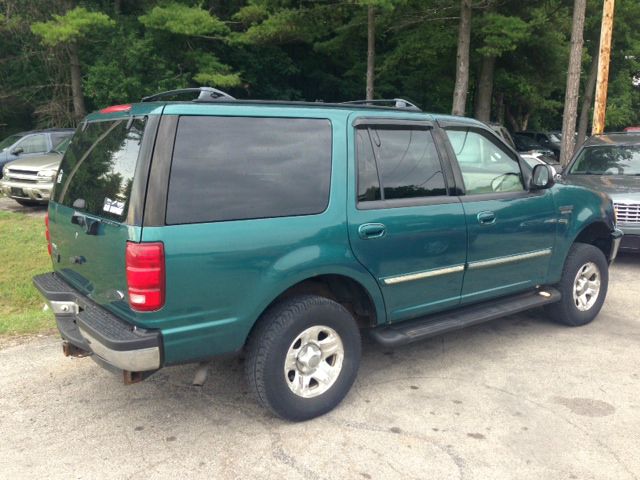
(628, 213)
(22, 176)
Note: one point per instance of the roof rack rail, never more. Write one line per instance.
(205, 94)
(395, 102)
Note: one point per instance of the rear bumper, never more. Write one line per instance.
(39, 192)
(93, 329)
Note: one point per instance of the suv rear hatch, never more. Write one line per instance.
(92, 214)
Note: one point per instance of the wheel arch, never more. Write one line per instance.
(361, 300)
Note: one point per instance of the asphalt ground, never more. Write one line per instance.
(519, 397)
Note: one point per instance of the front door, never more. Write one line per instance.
(511, 231)
(404, 227)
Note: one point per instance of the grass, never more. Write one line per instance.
(23, 253)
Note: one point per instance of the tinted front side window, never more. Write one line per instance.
(407, 164)
(232, 168)
(96, 173)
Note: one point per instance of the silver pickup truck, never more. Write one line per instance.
(29, 180)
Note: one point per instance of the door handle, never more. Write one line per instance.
(371, 230)
(486, 218)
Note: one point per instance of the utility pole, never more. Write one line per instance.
(573, 83)
(602, 83)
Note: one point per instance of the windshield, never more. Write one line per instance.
(62, 146)
(554, 138)
(608, 160)
(10, 140)
(525, 142)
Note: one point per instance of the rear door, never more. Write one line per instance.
(91, 215)
(511, 230)
(404, 227)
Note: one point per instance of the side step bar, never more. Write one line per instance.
(413, 330)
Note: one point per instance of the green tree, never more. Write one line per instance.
(67, 32)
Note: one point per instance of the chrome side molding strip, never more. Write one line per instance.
(420, 275)
(509, 259)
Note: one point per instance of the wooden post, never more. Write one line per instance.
(600, 108)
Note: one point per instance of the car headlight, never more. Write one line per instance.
(5, 171)
(47, 175)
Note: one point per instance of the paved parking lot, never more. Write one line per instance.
(9, 205)
(516, 398)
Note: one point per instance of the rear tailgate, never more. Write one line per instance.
(90, 213)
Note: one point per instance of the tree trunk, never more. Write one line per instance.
(500, 105)
(589, 91)
(573, 83)
(79, 109)
(371, 50)
(462, 60)
(485, 89)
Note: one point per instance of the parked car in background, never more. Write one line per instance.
(529, 146)
(610, 163)
(29, 180)
(503, 133)
(31, 144)
(532, 161)
(179, 231)
(548, 140)
(632, 129)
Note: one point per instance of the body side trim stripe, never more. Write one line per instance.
(420, 275)
(509, 259)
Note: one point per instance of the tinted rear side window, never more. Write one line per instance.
(404, 159)
(233, 168)
(96, 173)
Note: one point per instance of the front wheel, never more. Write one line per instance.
(584, 283)
(303, 357)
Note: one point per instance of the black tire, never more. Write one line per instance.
(29, 203)
(273, 337)
(566, 311)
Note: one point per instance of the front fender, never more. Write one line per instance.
(578, 209)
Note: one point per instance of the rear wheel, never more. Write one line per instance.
(584, 283)
(303, 357)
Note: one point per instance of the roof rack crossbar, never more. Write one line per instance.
(396, 102)
(205, 94)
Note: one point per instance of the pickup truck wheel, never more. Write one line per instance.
(303, 357)
(584, 282)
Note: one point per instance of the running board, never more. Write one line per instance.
(413, 330)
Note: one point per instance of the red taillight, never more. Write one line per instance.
(145, 275)
(116, 108)
(46, 232)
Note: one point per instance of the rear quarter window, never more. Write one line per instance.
(97, 170)
(235, 168)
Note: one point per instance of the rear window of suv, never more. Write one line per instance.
(235, 168)
(96, 173)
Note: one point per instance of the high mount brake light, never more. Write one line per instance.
(145, 276)
(117, 108)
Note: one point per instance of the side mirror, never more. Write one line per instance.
(541, 178)
(17, 151)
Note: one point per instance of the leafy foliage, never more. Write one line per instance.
(292, 50)
(71, 26)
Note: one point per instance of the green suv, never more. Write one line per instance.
(183, 230)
